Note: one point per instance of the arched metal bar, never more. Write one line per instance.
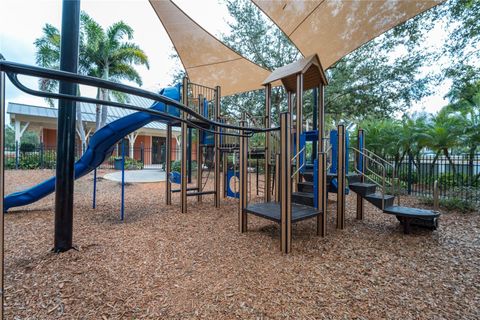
(14, 79)
(17, 68)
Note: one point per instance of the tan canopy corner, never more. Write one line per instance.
(333, 28)
(206, 60)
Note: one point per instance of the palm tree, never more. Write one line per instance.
(109, 57)
(466, 103)
(442, 134)
(103, 53)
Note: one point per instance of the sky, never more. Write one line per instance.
(21, 22)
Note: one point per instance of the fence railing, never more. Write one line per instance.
(44, 157)
(458, 175)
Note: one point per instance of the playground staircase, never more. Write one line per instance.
(379, 185)
(385, 202)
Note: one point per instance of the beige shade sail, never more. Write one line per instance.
(206, 60)
(334, 28)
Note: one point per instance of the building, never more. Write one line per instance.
(148, 142)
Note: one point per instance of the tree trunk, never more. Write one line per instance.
(81, 129)
(98, 112)
(432, 165)
(452, 164)
(471, 158)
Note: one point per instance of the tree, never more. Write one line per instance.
(465, 102)
(260, 41)
(361, 84)
(442, 134)
(103, 54)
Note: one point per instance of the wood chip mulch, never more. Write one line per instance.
(161, 263)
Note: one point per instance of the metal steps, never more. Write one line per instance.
(303, 198)
(406, 215)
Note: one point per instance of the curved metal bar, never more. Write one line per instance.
(17, 68)
(13, 78)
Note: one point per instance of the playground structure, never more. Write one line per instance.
(299, 186)
(293, 188)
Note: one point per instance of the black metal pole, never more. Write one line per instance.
(189, 155)
(409, 174)
(65, 173)
(315, 123)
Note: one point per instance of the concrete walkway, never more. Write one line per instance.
(137, 176)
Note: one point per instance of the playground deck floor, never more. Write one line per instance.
(160, 263)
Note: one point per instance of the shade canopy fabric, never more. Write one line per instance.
(206, 60)
(329, 28)
(334, 28)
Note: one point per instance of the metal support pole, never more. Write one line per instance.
(189, 155)
(315, 123)
(199, 166)
(42, 155)
(341, 178)
(299, 122)
(321, 117)
(94, 200)
(285, 183)
(2, 190)
(17, 155)
(277, 177)
(289, 102)
(361, 168)
(183, 170)
(225, 169)
(168, 166)
(217, 186)
(322, 194)
(65, 170)
(122, 207)
(268, 156)
(243, 177)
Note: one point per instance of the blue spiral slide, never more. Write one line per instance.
(99, 149)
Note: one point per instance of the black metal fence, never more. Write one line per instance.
(28, 157)
(458, 176)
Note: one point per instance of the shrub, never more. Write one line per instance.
(27, 147)
(403, 175)
(457, 204)
(446, 180)
(177, 164)
(131, 164)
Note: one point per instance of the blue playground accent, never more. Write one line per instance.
(206, 138)
(360, 155)
(99, 149)
(334, 144)
(230, 175)
(175, 177)
(313, 136)
(315, 183)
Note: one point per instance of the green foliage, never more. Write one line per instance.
(104, 53)
(403, 176)
(448, 180)
(27, 147)
(131, 163)
(31, 161)
(452, 204)
(176, 166)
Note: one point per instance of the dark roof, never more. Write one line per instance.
(310, 67)
(88, 112)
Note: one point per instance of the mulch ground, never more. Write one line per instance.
(161, 263)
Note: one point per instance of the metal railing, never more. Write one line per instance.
(367, 172)
(303, 162)
(395, 182)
